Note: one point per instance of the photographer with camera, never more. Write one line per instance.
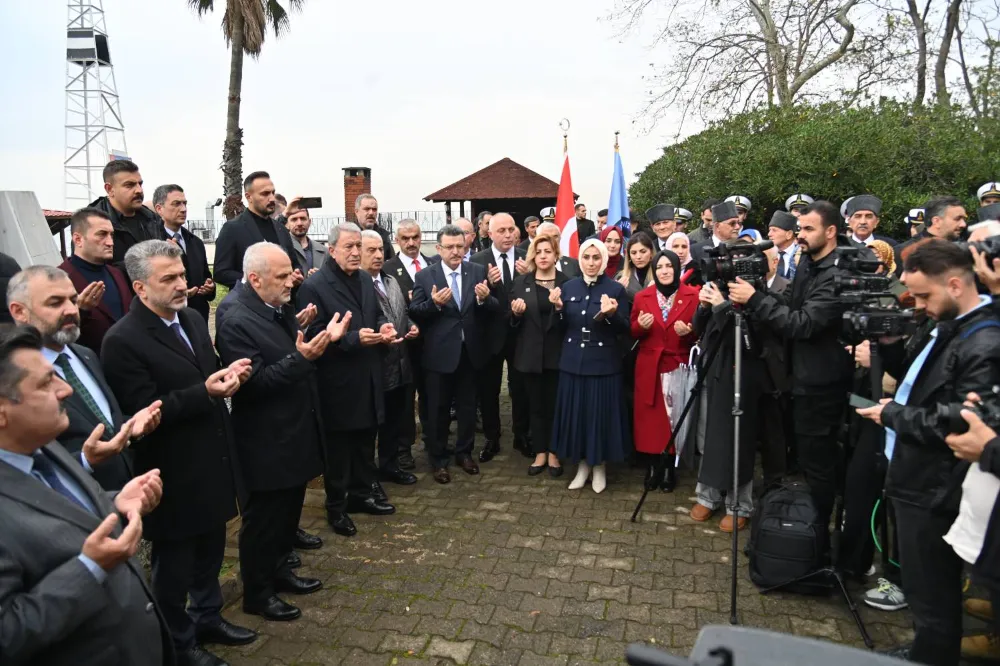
(942, 364)
(810, 319)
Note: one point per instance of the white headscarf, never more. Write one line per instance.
(670, 244)
(593, 242)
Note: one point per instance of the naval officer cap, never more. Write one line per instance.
(864, 202)
(660, 212)
(724, 211)
(988, 190)
(784, 221)
(798, 201)
(684, 214)
(740, 201)
(987, 213)
(916, 216)
(548, 213)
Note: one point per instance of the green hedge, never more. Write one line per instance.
(829, 152)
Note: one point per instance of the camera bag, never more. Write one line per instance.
(786, 541)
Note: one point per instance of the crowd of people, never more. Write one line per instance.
(122, 417)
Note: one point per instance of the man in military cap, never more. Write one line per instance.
(989, 193)
(743, 207)
(548, 214)
(782, 230)
(914, 222)
(725, 227)
(863, 217)
(704, 232)
(661, 218)
(797, 202)
(683, 216)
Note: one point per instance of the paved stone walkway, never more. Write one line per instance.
(503, 568)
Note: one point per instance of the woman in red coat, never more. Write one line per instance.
(661, 320)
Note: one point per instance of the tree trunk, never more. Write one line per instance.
(941, 67)
(232, 149)
(919, 27)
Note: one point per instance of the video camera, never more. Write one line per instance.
(727, 261)
(989, 246)
(865, 290)
(987, 409)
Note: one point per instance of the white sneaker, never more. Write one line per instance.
(580, 480)
(600, 479)
(887, 596)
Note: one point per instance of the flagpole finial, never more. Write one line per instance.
(564, 126)
(616, 139)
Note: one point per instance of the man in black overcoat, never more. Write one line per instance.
(161, 350)
(170, 204)
(350, 378)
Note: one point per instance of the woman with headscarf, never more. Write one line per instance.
(679, 243)
(612, 239)
(591, 423)
(636, 273)
(661, 321)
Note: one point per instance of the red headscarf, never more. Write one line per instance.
(614, 260)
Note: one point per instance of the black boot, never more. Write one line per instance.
(669, 476)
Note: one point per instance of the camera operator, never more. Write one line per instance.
(942, 364)
(810, 319)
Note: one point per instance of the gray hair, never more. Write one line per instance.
(362, 197)
(450, 230)
(17, 288)
(160, 193)
(990, 226)
(407, 222)
(548, 229)
(137, 259)
(371, 233)
(342, 228)
(458, 222)
(255, 259)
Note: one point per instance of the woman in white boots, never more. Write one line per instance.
(591, 422)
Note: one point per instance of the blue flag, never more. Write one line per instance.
(618, 213)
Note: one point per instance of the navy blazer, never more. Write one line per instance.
(446, 329)
(590, 347)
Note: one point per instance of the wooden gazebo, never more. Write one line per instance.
(503, 186)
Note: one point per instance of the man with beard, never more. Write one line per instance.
(863, 217)
(945, 218)
(44, 297)
(105, 294)
(278, 426)
(309, 255)
(941, 364)
(171, 205)
(366, 212)
(811, 318)
(584, 228)
(253, 225)
(162, 350)
(132, 221)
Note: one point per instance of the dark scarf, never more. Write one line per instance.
(667, 289)
(641, 274)
(353, 281)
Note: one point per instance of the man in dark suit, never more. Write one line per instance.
(530, 229)
(725, 227)
(568, 266)
(366, 213)
(585, 228)
(350, 379)
(72, 591)
(481, 240)
(863, 217)
(278, 426)
(44, 297)
(162, 350)
(170, 204)
(105, 295)
(253, 225)
(404, 268)
(502, 262)
(946, 218)
(8, 269)
(452, 303)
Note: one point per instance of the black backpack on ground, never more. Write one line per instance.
(786, 541)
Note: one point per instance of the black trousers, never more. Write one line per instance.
(350, 467)
(267, 533)
(773, 445)
(541, 391)
(442, 389)
(420, 385)
(186, 569)
(932, 581)
(817, 422)
(397, 433)
(489, 380)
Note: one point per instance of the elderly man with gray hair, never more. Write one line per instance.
(161, 350)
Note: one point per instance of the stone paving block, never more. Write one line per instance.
(524, 620)
(535, 605)
(570, 560)
(577, 591)
(489, 633)
(619, 593)
(591, 609)
(487, 655)
(532, 659)
(624, 611)
(472, 611)
(445, 627)
(316, 654)
(394, 642)
(529, 641)
(602, 549)
(522, 569)
(568, 645)
(457, 651)
(486, 579)
(402, 624)
(429, 607)
(620, 563)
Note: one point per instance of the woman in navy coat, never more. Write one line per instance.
(591, 422)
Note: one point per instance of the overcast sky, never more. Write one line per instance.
(424, 93)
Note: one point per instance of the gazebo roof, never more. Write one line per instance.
(505, 179)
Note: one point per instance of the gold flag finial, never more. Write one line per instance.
(564, 126)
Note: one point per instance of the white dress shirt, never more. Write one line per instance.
(867, 241)
(176, 320)
(410, 268)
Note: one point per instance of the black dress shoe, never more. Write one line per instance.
(225, 633)
(293, 584)
(406, 461)
(378, 492)
(198, 657)
(468, 465)
(306, 541)
(555, 472)
(535, 470)
(273, 609)
(669, 478)
(490, 449)
(441, 475)
(370, 506)
(342, 525)
(293, 561)
(397, 475)
(522, 444)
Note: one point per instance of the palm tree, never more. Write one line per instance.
(244, 25)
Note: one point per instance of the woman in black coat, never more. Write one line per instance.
(538, 346)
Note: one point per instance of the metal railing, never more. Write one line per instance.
(430, 222)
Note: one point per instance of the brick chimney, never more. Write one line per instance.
(357, 181)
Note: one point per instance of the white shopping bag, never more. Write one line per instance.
(676, 386)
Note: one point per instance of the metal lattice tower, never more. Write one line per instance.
(95, 133)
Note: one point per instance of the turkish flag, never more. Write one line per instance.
(569, 244)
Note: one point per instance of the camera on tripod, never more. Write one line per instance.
(987, 409)
(874, 311)
(728, 261)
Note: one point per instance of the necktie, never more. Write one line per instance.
(176, 328)
(791, 265)
(782, 269)
(455, 293)
(506, 270)
(73, 380)
(45, 469)
(279, 316)
(180, 243)
(380, 290)
(416, 265)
